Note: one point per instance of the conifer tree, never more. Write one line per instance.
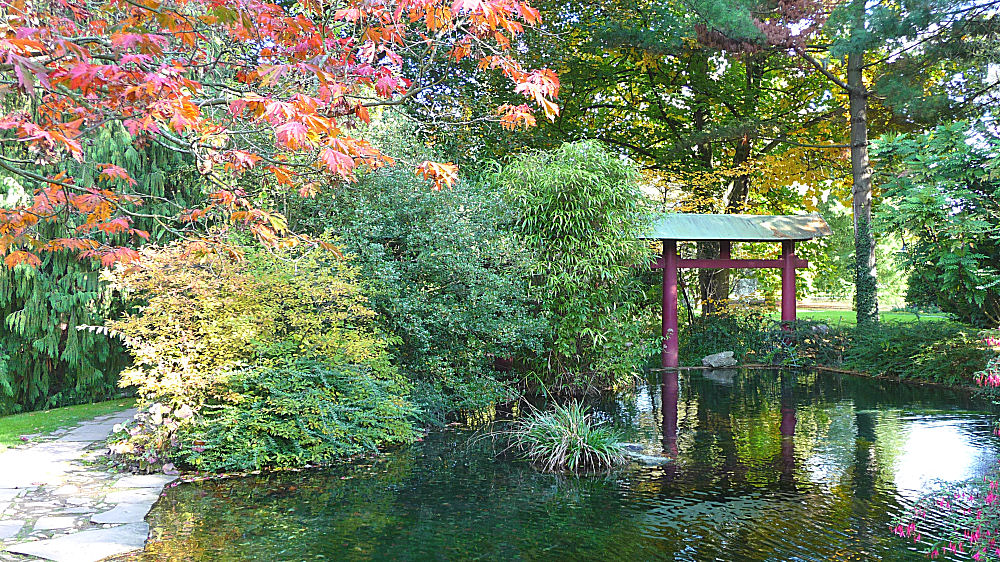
(50, 357)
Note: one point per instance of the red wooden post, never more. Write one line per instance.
(787, 429)
(669, 393)
(788, 281)
(669, 328)
(725, 250)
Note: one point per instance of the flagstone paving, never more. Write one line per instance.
(56, 503)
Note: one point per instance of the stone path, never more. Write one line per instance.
(56, 503)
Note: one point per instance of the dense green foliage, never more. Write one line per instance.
(302, 413)
(579, 211)
(483, 275)
(215, 352)
(943, 192)
(566, 438)
(942, 352)
(444, 276)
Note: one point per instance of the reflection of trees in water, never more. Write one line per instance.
(761, 462)
(769, 431)
(447, 499)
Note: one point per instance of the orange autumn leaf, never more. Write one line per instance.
(18, 257)
(442, 174)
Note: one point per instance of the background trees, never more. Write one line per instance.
(898, 43)
(943, 198)
(747, 106)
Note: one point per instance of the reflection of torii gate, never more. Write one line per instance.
(672, 228)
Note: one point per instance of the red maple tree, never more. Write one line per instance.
(242, 86)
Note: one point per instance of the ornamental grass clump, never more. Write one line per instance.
(567, 439)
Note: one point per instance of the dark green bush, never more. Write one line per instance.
(945, 352)
(303, 413)
(448, 281)
(445, 281)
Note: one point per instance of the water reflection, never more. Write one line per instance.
(765, 466)
(787, 431)
(670, 393)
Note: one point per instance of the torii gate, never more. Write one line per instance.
(672, 228)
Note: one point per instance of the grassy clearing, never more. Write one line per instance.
(849, 317)
(45, 421)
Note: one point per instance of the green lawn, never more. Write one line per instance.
(45, 421)
(848, 317)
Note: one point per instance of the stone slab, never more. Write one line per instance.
(79, 501)
(67, 490)
(88, 432)
(124, 513)
(88, 546)
(10, 527)
(8, 494)
(76, 510)
(53, 523)
(133, 495)
(145, 481)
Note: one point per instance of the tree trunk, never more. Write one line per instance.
(711, 282)
(740, 193)
(866, 287)
(706, 196)
(717, 284)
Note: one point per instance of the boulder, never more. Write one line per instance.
(719, 360)
(721, 376)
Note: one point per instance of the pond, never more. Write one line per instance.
(764, 465)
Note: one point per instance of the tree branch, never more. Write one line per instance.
(819, 66)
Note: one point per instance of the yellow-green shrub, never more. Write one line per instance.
(204, 317)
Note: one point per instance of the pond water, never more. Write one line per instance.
(764, 465)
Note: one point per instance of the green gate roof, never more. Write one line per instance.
(742, 228)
